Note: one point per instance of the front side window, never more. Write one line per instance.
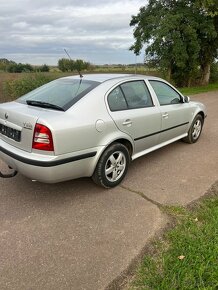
(130, 95)
(165, 94)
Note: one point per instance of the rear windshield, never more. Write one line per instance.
(62, 93)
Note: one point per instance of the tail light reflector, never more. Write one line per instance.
(42, 138)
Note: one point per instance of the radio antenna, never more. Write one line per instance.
(135, 63)
(67, 53)
(81, 76)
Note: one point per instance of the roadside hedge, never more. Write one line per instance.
(12, 89)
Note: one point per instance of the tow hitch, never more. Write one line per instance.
(8, 175)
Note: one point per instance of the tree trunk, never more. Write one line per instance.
(189, 82)
(205, 74)
(169, 73)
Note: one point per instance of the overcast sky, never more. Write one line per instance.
(36, 31)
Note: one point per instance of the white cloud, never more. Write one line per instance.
(96, 30)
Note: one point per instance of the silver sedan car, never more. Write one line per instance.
(94, 126)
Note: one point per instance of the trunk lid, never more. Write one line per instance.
(17, 123)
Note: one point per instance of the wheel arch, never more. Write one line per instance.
(195, 113)
(124, 142)
(190, 138)
(202, 114)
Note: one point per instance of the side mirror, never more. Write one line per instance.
(186, 99)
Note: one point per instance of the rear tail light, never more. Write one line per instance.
(42, 138)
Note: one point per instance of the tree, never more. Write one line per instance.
(210, 5)
(43, 68)
(180, 36)
(19, 67)
(210, 8)
(65, 64)
(78, 65)
(4, 63)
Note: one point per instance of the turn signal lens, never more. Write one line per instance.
(42, 138)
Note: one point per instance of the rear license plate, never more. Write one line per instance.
(10, 132)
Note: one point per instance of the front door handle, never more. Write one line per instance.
(165, 116)
(128, 123)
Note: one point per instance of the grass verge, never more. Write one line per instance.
(200, 89)
(187, 256)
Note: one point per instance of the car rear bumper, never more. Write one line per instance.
(50, 168)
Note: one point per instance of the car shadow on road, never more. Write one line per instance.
(21, 191)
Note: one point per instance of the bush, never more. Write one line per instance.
(19, 68)
(13, 89)
(78, 65)
(43, 68)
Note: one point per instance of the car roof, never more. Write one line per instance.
(105, 77)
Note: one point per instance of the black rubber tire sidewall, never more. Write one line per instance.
(189, 138)
(99, 174)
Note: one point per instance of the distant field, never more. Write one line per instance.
(4, 77)
(7, 77)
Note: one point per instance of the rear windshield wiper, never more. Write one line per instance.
(44, 105)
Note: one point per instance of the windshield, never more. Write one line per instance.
(62, 93)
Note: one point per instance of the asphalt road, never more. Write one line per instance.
(75, 235)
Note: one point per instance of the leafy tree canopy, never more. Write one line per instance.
(19, 68)
(4, 63)
(43, 68)
(180, 36)
(211, 6)
(78, 65)
(13, 67)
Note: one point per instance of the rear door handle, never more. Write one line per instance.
(128, 122)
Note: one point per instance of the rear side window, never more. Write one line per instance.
(63, 92)
(136, 94)
(116, 100)
(130, 95)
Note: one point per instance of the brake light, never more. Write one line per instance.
(42, 138)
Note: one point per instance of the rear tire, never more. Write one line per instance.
(112, 166)
(195, 130)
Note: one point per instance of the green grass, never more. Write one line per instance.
(200, 89)
(196, 238)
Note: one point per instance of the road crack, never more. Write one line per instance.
(159, 205)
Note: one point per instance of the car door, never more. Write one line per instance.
(133, 111)
(176, 114)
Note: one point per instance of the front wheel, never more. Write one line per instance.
(195, 130)
(112, 166)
